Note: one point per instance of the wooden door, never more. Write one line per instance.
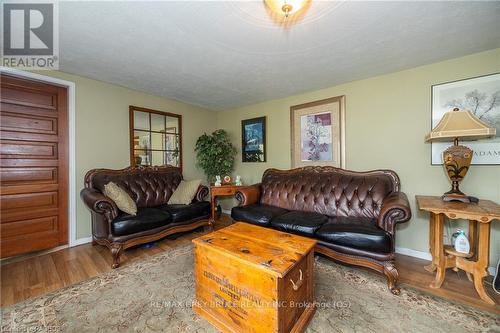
(33, 166)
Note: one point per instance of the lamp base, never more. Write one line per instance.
(457, 160)
(459, 197)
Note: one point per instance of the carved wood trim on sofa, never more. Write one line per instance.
(117, 248)
(387, 268)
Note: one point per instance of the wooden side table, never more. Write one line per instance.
(220, 191)
(475, 263)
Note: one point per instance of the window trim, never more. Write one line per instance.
(133, 108)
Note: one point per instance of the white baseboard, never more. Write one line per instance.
(81, 241)
(427, 256)
(413, 253)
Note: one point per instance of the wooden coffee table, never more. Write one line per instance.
(254, 279)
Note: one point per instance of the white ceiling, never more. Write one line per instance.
(222, 55)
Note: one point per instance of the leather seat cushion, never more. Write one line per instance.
(257, 214)
(359, 233)
(304, 223)
(146, 219)
(183, 213)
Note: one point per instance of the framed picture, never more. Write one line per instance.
(481, 96)
(253, 140)
(318, 133)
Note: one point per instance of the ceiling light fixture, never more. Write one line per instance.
(285, 7)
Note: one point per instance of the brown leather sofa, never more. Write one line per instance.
(150, 188)
(351, 214)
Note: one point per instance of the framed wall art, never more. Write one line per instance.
(253, 140)
(481, 96)
(318, 133)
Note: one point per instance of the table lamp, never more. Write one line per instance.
(458, 124)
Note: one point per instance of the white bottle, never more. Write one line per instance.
(462, 243)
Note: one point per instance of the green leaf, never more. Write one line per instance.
(215, 154)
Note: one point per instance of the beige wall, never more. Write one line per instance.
(102, 130)
(387, 118)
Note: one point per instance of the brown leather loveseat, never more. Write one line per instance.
(351, 214)
(150, 188)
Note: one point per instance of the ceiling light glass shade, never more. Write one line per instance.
(285, 7)
(460, 124)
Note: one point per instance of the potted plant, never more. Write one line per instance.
(215, 154)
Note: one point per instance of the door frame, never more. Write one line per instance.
(73, 241)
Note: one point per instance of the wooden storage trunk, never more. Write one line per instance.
(254, 279)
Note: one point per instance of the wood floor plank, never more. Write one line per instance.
(7, 296)
(87, 264)
(61, 267)
(37, 275)
(31, 275)
(50, 278)
(8, 286)
(97, 259)
(17, 282)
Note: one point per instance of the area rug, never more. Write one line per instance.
(155, 295)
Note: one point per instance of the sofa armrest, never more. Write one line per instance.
(201, 194)
(99, 203)
(395, 209)
(248, 195)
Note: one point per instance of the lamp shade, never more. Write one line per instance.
(460, 124)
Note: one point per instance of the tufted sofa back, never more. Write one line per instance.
(148, 186)
(328, 190)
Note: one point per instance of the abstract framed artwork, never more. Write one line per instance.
(318, 133)
(481, 96)
(253, 140)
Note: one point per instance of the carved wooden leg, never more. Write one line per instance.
(483, 258)
(473, 237)
(116, 250)
(211, 224)
(438, 258)
(391, 273)
(431, 267)
(478, 284)
(213, 207)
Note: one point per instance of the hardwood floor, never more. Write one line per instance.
(36, 275)
(456, 285)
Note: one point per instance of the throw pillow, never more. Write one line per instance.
(121, 198)
(185, 192)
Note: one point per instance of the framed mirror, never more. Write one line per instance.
(155, 137)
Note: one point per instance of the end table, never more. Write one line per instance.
(474, 263)
(219, 191)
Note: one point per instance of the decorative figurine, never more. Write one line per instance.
(217, 181)
(227, 179)
(238, 181)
